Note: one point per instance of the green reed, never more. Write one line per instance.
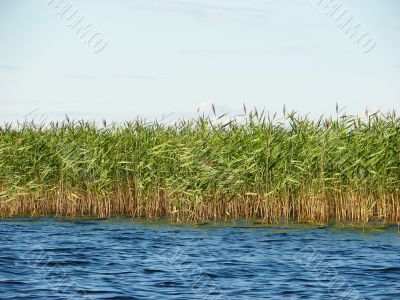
(346, 168)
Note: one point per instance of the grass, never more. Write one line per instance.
(296, 169)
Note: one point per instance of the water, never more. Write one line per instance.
(123, 259)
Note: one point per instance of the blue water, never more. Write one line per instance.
(126, 259)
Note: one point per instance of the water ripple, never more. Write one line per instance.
(125, 259)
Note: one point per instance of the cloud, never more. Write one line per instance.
(205, 106)
(288, 50)
(223, 8)
(208, 107)
(128, 76)
(214, 51)
(9, 67)
(300, 49)
(135, 76)
(82, 76)
(199, 8)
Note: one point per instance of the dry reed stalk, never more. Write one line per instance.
(353, 208)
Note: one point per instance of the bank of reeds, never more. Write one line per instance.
(296, 169)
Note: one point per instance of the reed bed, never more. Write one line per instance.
(294, 169)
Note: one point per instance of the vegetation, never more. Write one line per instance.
(294, 169)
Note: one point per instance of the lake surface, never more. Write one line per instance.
(126, 259)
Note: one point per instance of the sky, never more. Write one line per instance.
(155, 58)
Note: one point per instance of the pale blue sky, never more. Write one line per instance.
(171, 56)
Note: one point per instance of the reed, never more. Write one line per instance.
(293, 169)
